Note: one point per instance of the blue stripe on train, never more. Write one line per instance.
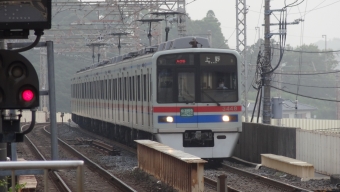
(198, 119)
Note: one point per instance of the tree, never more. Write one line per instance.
(302, 59)
(208, 25)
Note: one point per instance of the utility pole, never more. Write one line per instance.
(241, 47)
(337, 76)
(325, 36)
(3, 146)
(267, 64)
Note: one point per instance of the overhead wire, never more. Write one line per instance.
(322, 73)
(300, 59)
(325, 87)
(322, 99)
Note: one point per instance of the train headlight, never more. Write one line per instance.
(225, 118)
(169, 119)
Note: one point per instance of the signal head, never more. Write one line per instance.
(19, 84)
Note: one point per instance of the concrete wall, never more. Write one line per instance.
(43, 117)
(322, 149)
(256, 139)
(307, 124)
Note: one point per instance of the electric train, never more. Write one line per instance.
(181, 93)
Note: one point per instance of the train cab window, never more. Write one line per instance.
(218, 86)
(165, 85)
(186, 88)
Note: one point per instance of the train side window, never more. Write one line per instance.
(133, 88)
(115, 89)
(144, 87)
(91, 90)
(105, 88)
(120, 89)
(130, 84)
(125, 89)
(150, 88)
(87, 90)
(138, 87)
(109, 90)
(102, 89)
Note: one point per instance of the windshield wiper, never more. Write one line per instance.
(218, 104)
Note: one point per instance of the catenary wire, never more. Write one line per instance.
(326, 87)
(328, 72)
(322, 99)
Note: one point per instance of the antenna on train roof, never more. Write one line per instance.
(194, 43)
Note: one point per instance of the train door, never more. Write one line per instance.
(186, 107)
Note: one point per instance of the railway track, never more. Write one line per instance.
(213, 183)
(63, 182)
(102, 172)
(54, 177)
(267, 181)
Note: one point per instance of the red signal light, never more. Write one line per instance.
(27, 95)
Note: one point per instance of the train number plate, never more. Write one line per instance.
(187, 112)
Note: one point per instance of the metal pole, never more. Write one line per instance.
(52, 100)
(266, 67)
(3, 146)
(245, 60)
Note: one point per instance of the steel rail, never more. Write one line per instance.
(265, 180)
(57, 180)
(107, 175)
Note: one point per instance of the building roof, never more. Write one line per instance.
(288, 106)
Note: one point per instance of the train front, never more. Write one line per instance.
(196, 103)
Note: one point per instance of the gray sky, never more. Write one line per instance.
(321, 17)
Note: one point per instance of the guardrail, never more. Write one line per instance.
(46, 165)
(181, 170)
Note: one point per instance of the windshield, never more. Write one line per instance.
(205, 78)
(217, 86)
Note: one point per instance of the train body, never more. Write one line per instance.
(186, 98)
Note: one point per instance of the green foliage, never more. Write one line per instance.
(203, 28)
(302, 62)
(4, 183)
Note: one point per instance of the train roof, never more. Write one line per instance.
(179, 43)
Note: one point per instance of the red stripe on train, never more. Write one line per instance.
(198, 109)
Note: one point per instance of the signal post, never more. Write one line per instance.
(19, 84)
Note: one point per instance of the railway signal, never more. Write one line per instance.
(19, 84)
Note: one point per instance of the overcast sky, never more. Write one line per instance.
(321, 17)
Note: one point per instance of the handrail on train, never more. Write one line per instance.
(46, 165)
